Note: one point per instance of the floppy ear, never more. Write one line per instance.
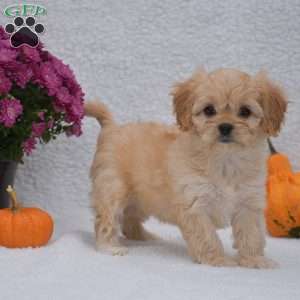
(273, 102)
(184, 95)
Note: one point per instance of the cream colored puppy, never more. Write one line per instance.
(205, 174)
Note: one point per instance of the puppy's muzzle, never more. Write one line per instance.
(225, 130)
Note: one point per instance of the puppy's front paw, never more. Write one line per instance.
(219, 261)
(257, 262)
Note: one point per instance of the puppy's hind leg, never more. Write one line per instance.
(109, 199)
(133, 228)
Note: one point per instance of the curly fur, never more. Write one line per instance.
(185, 175)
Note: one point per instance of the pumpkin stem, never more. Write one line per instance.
(271, 147)
(13, 196)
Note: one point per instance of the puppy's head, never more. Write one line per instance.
(229, 107)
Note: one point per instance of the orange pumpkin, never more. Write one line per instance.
(283, 197)
(24, 227)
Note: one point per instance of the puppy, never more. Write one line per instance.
(204, 174)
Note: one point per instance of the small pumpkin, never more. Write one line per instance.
(283, 197)
(22, 227)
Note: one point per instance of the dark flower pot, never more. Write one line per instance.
(7, 176)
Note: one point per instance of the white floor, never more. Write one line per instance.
(70, 268)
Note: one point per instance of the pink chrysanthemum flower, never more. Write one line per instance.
(38, 129)
(29, 145)
(31, 54)
(50, 124)
(50, 98)
(7, 55)
(5, 83)
(75, 130)
(41, 115)
(10, 110)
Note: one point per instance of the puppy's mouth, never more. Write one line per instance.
(226, 139)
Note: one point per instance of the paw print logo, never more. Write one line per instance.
(24, 33)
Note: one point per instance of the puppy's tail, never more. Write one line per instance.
(99, 111)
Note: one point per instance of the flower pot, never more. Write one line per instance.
(7, 176)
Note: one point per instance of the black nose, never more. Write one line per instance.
(225, 129)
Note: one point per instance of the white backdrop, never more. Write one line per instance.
(129, 53)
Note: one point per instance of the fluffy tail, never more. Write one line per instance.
(99, 111)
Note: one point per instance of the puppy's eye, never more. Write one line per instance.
(245, 112)
(210, 111)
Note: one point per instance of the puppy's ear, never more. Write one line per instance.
(273, 102)
(184, 95)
